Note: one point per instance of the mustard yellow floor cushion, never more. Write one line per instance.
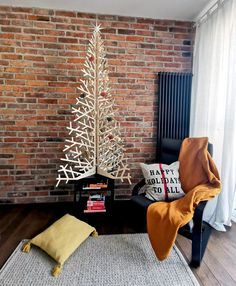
(61, 239)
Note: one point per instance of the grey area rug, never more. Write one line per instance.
(112, 260)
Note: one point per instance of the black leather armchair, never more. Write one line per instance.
(197, 230)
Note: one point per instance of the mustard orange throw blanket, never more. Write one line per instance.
(200, 181)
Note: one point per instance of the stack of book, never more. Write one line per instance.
(95, 203)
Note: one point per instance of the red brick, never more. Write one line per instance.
(33, 31)
(36, 83)
(11, 57)
(55, 32)
(44, 25)
(25, 76)
(171, 53)
(75, 60)
(5, 9)
(46, 112)
(67, 40)
(32, 45)
(17, 16)
(145, 33)
(11, 29)
(6, 36)
(40, 11)
(76, 34)
(113, 37)
(107, 17)
(178, 30)
(46, 39)
(145, 20)
(64, 26)
(9, 140)
(4, 63)
(183, 24)
(48, 101)
(154, 52)
(54, 46)
(172, 65)
(22, 10)
(46, 77)
(25, 37)
(22, 23)
(65, 14)
(86, 15)
(34, 58)
(134, 39)
(4, 22)
(15, 82)
(38, 18)
(6, 49)
(26, 51)
(182, 36)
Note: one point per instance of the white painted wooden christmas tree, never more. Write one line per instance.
(95, 146)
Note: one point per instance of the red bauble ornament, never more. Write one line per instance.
(110, 136)
(103, 93)
(91, 58)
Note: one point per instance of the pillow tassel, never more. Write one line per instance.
(56, 270)
(94, 233)
(26, 247)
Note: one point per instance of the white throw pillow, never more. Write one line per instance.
(162, 181)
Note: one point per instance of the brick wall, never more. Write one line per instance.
(41, 56)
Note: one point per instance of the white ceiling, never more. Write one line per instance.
(156, 9)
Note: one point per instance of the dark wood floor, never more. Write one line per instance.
(25, 221)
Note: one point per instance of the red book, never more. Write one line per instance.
(100, 204)
(95, 211)
(95, 207)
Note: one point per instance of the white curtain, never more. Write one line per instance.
(213, 106)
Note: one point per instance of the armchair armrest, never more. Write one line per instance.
(137, 187)
(198, 213)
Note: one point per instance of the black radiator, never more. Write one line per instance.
(174, 94)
